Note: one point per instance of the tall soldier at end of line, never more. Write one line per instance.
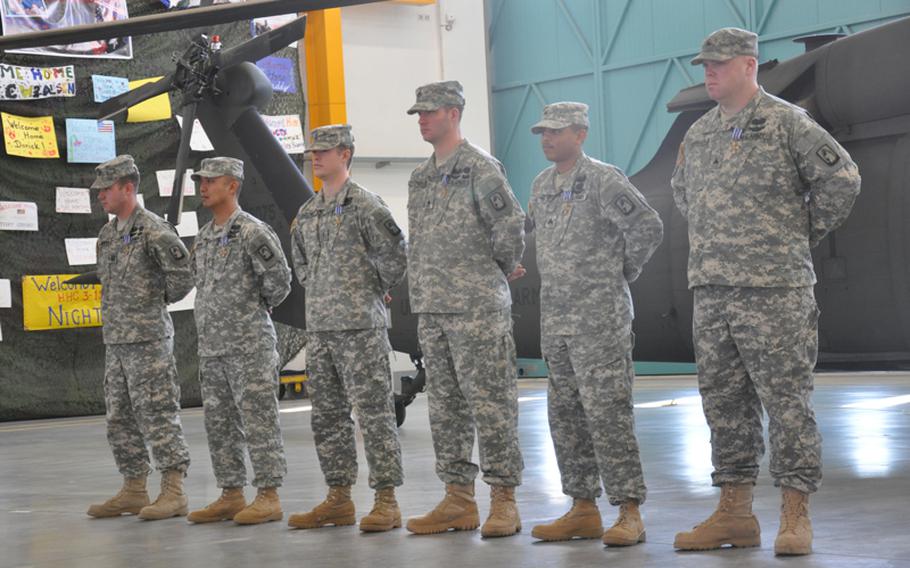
(241, 274)
(595, 232)
(466, 239)
(143, 266)
(759, 183)
(348, 252)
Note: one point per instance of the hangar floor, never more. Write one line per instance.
(52, 470)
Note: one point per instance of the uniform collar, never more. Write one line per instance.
(339, 199)
(571, 175)
(217, 232)
(130, 221)
(742, 118)
(446, 168)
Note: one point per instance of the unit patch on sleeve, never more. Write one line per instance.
(625, 205)
(265, 252)
(827, 155)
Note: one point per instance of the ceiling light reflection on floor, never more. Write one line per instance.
(880, 403)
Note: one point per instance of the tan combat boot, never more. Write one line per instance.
(224, 508)
(131, 498)
(336, 510)
(171, 502)
(582, 521)
(795, 534)
(457, 510)
(385, 514)
(732, 523)
(264, 508)
(628, 528)
(503, 519)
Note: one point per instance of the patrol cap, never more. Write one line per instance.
(110, 171)
(561, 115)
(332, 136)
(727, 43)
(437, 95)
(220, 166)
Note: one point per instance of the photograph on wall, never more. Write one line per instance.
(26, 16)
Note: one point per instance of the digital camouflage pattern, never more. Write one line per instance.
(758, 190)
(239, 395)
(757, 347)
(594, 235)
(241, 273)
(142, 398)
(589, 404)
(727, 43)
(757, 203)
(557, 116)
(143, 266)
(219, 166)
(472, 386)
(107, 173)
(466, 234)
(349, 370)
(347, 253)
(595, 232)
(331, 136)
(436, 95)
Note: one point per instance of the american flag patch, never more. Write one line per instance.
(105, 126)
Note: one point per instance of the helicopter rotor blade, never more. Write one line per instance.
(116, 105)
(170, 21)
(262, 45)
(175, 205)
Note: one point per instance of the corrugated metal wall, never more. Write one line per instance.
(626, 59)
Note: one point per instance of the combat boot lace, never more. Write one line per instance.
(503, 519)
(457, 511)
(224, 508)
(131, 498)
(171, 502)
(732, 523)
(795, 535)
(337, 510)
(385, 514)
(582, 521)
(628, 528)
(265, 507)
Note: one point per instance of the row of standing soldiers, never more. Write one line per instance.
(758, 181)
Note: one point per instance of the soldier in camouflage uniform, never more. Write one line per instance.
(595, 232)
(759, 183)
(143, 266)
(467, 237)
(348, 252)
(241, 274)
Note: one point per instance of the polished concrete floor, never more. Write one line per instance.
(51, 470)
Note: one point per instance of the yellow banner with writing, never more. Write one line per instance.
(49, 303)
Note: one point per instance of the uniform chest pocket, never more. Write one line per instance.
(554, 216)
(342, 229)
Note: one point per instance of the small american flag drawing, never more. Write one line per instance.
(105, 126)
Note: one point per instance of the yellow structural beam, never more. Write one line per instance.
(326, 102)
(325, 68)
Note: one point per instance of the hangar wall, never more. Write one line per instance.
(389, 50)
(627, 59)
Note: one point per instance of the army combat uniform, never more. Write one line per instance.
(347, 253)
(466, 235)
(594, 233)
(143, 266)
(241, 274)
(758, 190)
